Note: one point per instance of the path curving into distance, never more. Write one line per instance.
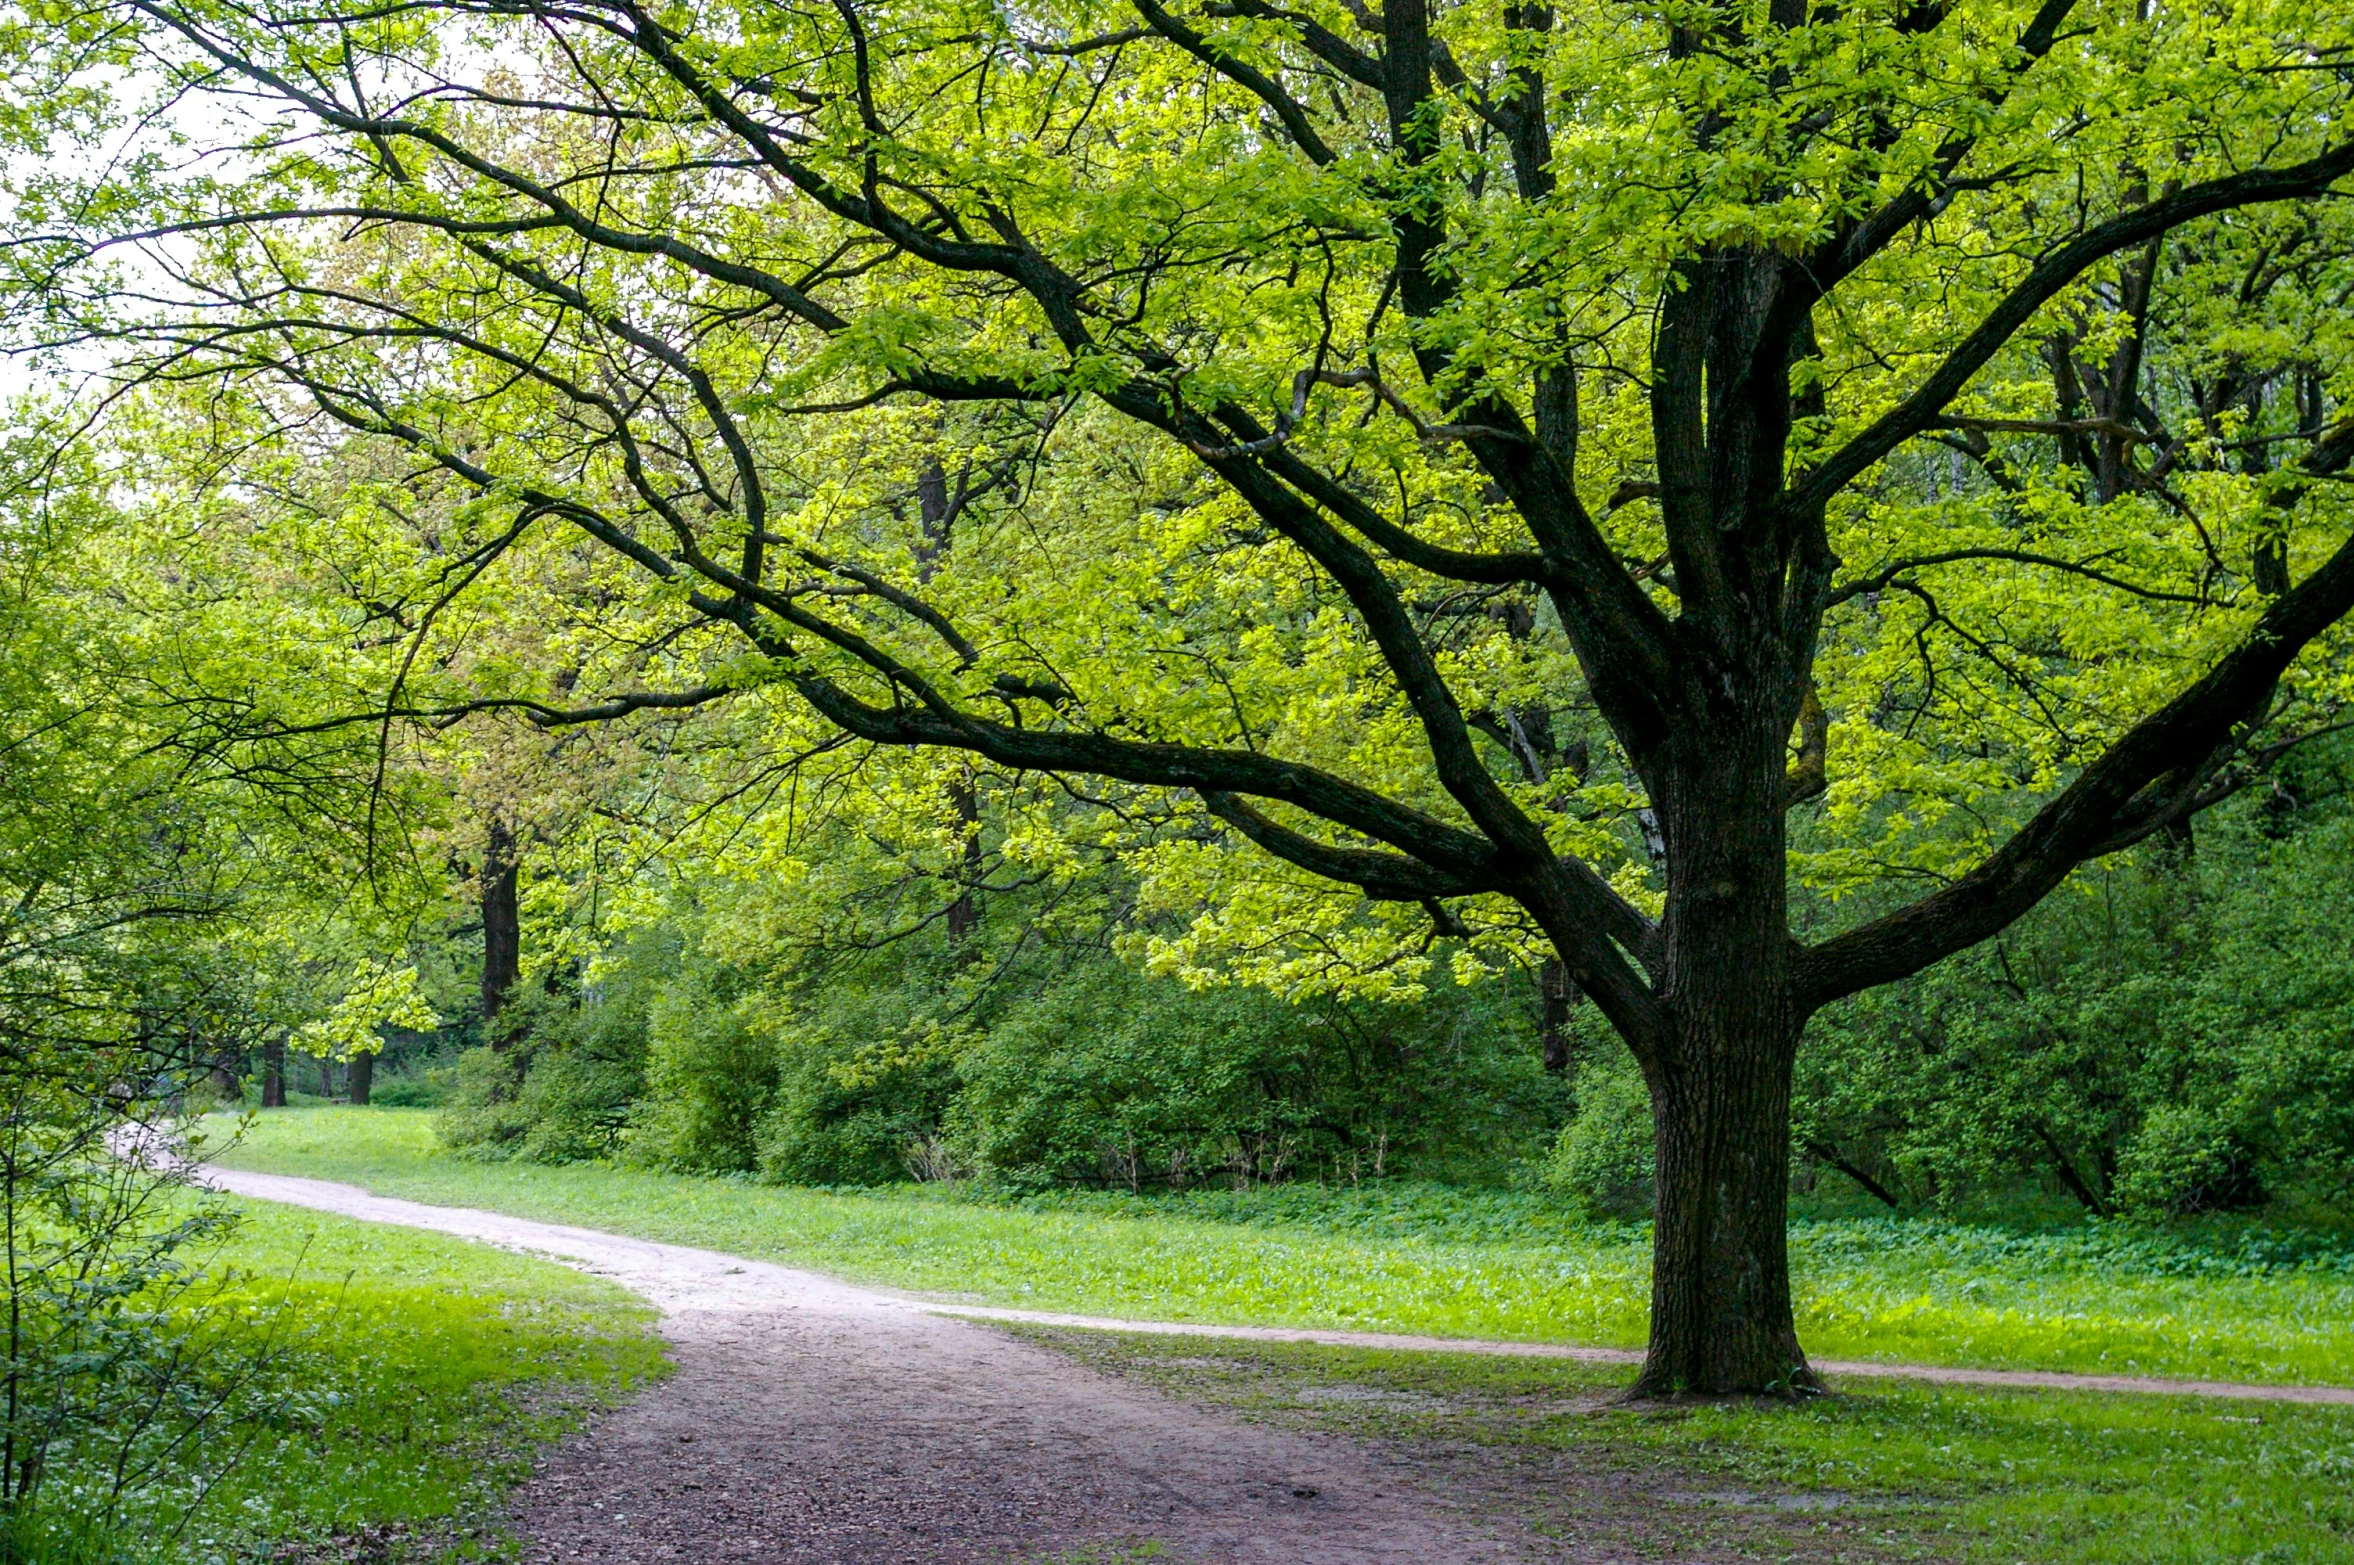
(809, 1421)
(814, 1421)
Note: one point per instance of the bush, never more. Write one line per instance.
(1602, 1162)
(1056, 1065)
(864, 1076)
(2183, 1161)
(1112, 1079)
(429, 1088)
(1108, 1077)
(708, 1079)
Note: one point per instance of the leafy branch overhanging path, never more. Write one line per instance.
(676, 1277)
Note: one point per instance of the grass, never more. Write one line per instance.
(1424, 1261)
(424, 1372)
(1892, 1470)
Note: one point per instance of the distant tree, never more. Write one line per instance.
(1500, 458)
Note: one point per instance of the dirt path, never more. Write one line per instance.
(812, 1421)
(675, 1277)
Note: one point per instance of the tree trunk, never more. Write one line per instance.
(964, 914)
(1721, 1318)
(274, 1075)
(502, 928)
(362, 1077)
(326, 1077)
(1558, 995)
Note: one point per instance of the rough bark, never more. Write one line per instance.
(362, 1076)
(502, 930)
(1721, 1316)
(1720, 1072)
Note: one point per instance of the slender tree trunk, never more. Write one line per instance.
(274, 1075)
(1558, 995)
(362, 1075)
(964, 914)
(502, 928)
(1721, 1317)
(326, 1077)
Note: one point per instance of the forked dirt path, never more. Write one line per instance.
(810, 1420)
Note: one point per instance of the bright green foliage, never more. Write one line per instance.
(1602, 1162)
(2000, 616)
(2170, 1036)
(371, 1000)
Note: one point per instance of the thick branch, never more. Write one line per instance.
(2110, 794)
(1285, 107)
(1386, 877)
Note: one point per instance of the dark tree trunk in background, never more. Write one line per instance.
(326, 1077)
(362, 1075)
(1720, 1073)
(1559, 995)
(964, 914)
(227, 1083)
(937, 507)
(274, 1075)
(502, 928)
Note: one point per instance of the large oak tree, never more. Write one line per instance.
(1501, 458)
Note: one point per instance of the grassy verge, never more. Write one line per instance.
(424, 1373)
(1423, 1262)
(1884, 1471)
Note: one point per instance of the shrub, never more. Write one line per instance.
(1055, 1065)
(2183, 1161)
(708, 1080)
(2166, 1035)
(864, 1073)
(430, 1087)
(561, 1087)
(1602, 1162)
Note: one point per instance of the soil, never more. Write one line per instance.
(811, 1421)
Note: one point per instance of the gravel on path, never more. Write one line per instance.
(810, 1421)
(813, 1421)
